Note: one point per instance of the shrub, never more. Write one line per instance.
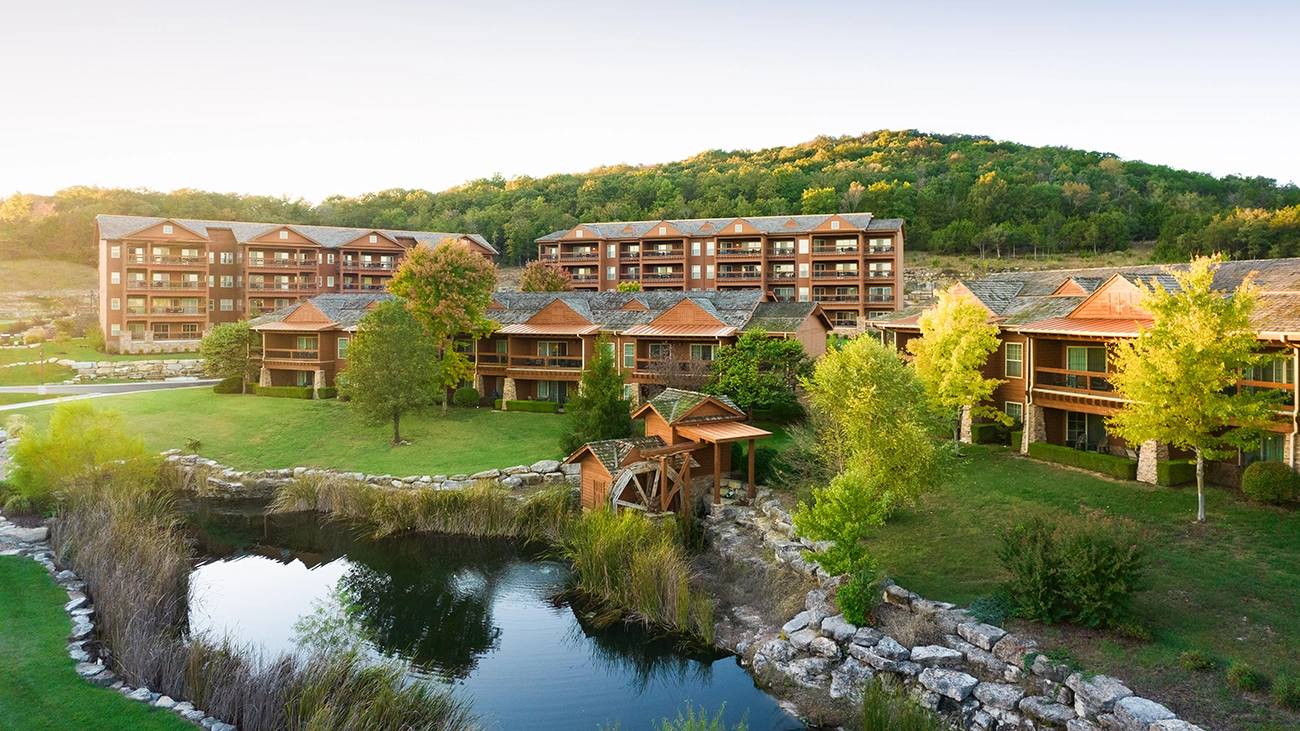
(992, 610)
(497, 404)
(1245, 678)
(34, 335)
(465, 396)
(1286, 692)
(1028, 551)
(857, 598)
(767, 462)
(327, 392)
(786, 411)
(234, 384)
(1106, 464)
(539, 407)
(1175, 472)
(95, 337)
(1195, 661)
(993, 433)
(302, 392)
(1017, 438)
(1269, 482)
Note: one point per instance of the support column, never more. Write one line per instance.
(717, 474)
(965, 425)
(264, 377)
(478, 384)
(1288, 449)
(317, 383)
(1035, 428)
(752, 492)
(687, 508)
(1151, 453)
(508, 390)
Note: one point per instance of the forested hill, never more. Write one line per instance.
(958, 193)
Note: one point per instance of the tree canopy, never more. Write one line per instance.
(758, 372)
(598, 411)
(958, 193)
(392, 366)
(538, 277)
(227, 351)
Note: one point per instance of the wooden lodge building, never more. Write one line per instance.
(164, 282)
(546, 339)
(850, 263)
(1056, 329)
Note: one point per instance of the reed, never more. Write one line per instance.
(886, 706)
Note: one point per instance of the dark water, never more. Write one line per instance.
(478, 614)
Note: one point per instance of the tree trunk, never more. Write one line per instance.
(397, 435)
(1200, 487)
(956, 436)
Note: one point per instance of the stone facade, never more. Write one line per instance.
(125, 344)
(1035, 428)
(508, 391)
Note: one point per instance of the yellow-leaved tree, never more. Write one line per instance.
(956, 341)
(1179, 377)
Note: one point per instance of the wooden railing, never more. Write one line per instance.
(280, 263)
(200, 284)
(545, 362)
(880, 298)
(165, 311)
(281, 287)
(835, 298)
(836, 273)
(740, 252)
(370, 265)
(1082, 381)
(780, 253)
(579, 256)
(880, 274)
(656, 254)
(835, 249)
(364, 287)
(298, 355)
(739, 275)
(584, 277)
(663, 276)
(196, 335)
(181, 261)
(880, 250)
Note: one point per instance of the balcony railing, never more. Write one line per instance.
(487, 358)
(836, 274)
(280, 263)
(739, 275)
(835, 249)
(137, 284)
(546, 362)
(783, 297)
(548, 257)
(630, 277)
(781, 275)
(880, 273)
(137, 310)
(180, 261)
(657, 254)
(630, 256)
(386, 266)
(880, 298)
(364, 287)
(1072, 380)
(880, 250)
(175, 285)
(584, 277)
(281, 287)
(659, 364)
(844, 322)
(662, 276)
(164, 311)
(196, 335)
(782, 253)
(579, 256)
(740, 252)
(835, 298)
(299, 355)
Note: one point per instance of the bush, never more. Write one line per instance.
(1195, 661)
(234, 384)
(786, 411)
(1083, 568)
(992, 610)
(95, 337)
(327, 392)
(34, 336)
(1175, 472)
(497, 404)
(857, 598)
(1119, 467)
(465, 396)
(302, 392)
(993, 433)
(539, 407)
(1286, 692)
(1245, 678)
(886, 706)
(1017, 438)
(767, 461)
(1270, 482)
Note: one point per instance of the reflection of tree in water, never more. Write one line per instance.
(645, 660)
(429, 599)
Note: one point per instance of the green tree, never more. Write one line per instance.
(1179, 376)
(392, 366)
(228, 351)
(956, 340)
(819, 200)
(448, 289)
(876, 426)
(629, 286)
(599, 410)
(538, 277)
(95, 337)
(758, 371)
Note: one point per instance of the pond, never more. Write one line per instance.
(480, 615)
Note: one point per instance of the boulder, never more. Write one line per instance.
(802, 639)
(88, 670)
(867, 636)
(165, 702)
(1081, 724)
(949, 620)
(1137, 714)
(553, 478)
(798, 622)
(866, 656)
(571, 470)
(775, 651)
(141, 694)
(983, 636)
(1096, 695)
(532, 479)
(1046, 710)
(1004, 696)
(898, 596)
(486, 475)
(222, 726)
(889, 648)
(948, 683)
(810, 672)
(1013, 648)
(512, 482)
(1172, 724)
(546, 465)
(104, 679)
(847, 679)
(934, 656)
(823, 647)
(838, 628)
(1045, 668)
(516, 470)
(14, 534)
(462, 477)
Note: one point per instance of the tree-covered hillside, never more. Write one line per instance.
(958, 193)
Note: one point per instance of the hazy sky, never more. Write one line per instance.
(319, 97)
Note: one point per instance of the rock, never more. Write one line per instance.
(1096, 695)
(486, 475)
(865, 655)
(553, 478)
(802, 639)
(1081, 724)
(78, 653)
(165, 702)
(1137, 714)
(75, 603)
(1012, 649)
(1046, 710)
(983, 636)
(1171, 724)
(823, 647)
(810, 672)
(779, 651)
(512, 482)
(897, 595)
(82, 630)
(531, 479)
(462, 477)
(140, 694)
(999, 695)
(798, 622)
(934, 656)
(982, 662)
(208, 722)
(88, 670)
(220, 726)
(14, 534)
(889, 648)
(908, 668)
(948, 683)
(948, 621)
(546, 465)
(1064, 696)
(847, 679)
(516, 470)
(183, 706)
(193, 715)
(838, 628)
(571, 470)
(1045, 668)
(867, 636)
(104, 679)
(65, 575)
(925, 606)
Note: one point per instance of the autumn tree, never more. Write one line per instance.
(956, 340)
(392, 366)
(629, 286)
(1179, 376)
(759, 371)
(538, 277)
(228, 351)
(599, 410)
(448, 290)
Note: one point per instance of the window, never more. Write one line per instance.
(115, 329)
(115, 304)
(115, 278)
(227, 257)
(115, 252)
(343, 348)
(663, 231)
(803, 294)
(284, 234)
(629, 355)
(329, 258)
(1015, 361)
(1277, 371)
(609, 349)
(835, 224)
(212, 280)
(211, 305)
(167, 228)
(374, 239)
(695, 248)
(695, 271)
(1271, 449)
(329, 281)
(803, 270)
(628, 391)
(611, 273)
(803, 246)
(305, 379)
(227, 305)
(502, 346)
(611, 251)
(708, 271)
(189, 328)
(702, 352)
(552, 348)
(227, 281)
(1015, 410)
(740, 227)
(579, 232)
(708, 248)
(1085, 359)
(212, 255)
(551, 390)
(239, 257)
(239, 281)
(658, 351)
(308, 342)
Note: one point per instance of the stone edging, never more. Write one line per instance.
(83, 647)
(982, 677)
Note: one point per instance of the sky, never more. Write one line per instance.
(314, 98)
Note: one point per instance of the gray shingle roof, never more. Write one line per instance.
(997, 296)
(717, 226)
(780, 317)
(674, 403)
(612, 452)
(734, 308)
(346, 310)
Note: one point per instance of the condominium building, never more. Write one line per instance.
(164, 282)
(850, 263)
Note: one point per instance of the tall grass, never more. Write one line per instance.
(886, 706)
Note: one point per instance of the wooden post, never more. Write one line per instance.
(717, 474)
(752, 490)
(686, 485)
(663, 485)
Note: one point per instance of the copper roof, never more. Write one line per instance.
(718, 432)
(681, 331)
(296, 326)
(1096, 327)
(524, 328)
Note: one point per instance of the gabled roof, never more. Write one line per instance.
(613, 452)
(720, 226)
(996, 296)
(675, 405)
(343, 310)
(784, 317)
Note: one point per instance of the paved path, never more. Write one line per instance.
(90, 390)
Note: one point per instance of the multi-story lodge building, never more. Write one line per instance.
(164, 282)
(546, 339)
(849, 263)
(1057, 327)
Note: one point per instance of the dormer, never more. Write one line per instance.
(739, 227)
(1117, 299)
(284, 236)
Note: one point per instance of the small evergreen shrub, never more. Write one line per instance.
(1175, 472)
(234, 384)
(857, 598)
(1195, 661)
(538, 407)
(465, 396)
(327, 392)
(497, 404)
(1286, 692)
(767, 461)
(1028, 551)
(1270, 482)
(301, 392)
(993, 433)
(1017, 438)
(787, 411)
(994, 609)
(1245, 678)
(1119, 467)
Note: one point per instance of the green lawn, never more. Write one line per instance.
(32, 375)
(253, 432)
(76, 349)
(21, 398)
(39, 691)
(1230, 588)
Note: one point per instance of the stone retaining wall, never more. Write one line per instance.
(135, 370)
(981, 677)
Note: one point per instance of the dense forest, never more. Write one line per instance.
(959, 194)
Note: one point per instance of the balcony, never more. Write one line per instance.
(545, 362)
(853, 250)
(196, 335)
(781, 275)
(630, 277)
(549, 257)
(880, 298)
(836, 274)
(176, 311)
(177, 261)
(740, 275)
(630, 256)
(293, 356)
(663, 276)
(844, 322)
(852, 298)
(369, 266)
(880, 274)
(280, 287)
(579, 256)
(753, 253)
(1081, 381)
(486, 358)
(663, 254)
(782, 253)
(880, 250)
(584, 277)
(175, 286)
(137, 284)
(783, 297)
(281, 263)
(364, 287)
(136, 310)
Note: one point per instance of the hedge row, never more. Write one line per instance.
(540, 407)
(1017, 438)
(327, 392)
(229, 385)
(302, 392)
(991, 433)
(1120, 467)
(1175, 472)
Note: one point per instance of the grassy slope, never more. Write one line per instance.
(21, 398)
(32, 375)
(24, 274)
(77, 350)
(38, 689)
(1230, 588)
(251, 432)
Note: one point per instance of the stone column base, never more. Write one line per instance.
(317, 383)
(264, 378)
(508, 390)
(1035, 429)
(1151, 453)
